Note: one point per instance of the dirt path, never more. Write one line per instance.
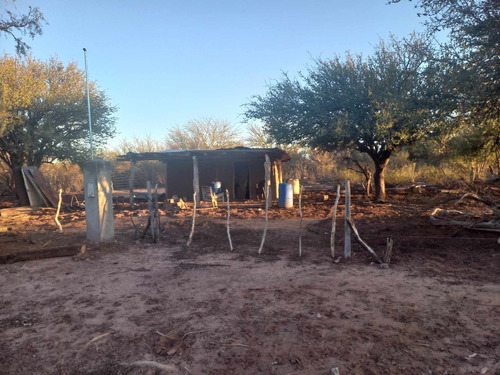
(224, 314)
(206, 310)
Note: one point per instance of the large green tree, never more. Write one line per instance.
(374, 105)
(43, 114)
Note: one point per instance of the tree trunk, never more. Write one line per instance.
(21, 192)
(369, 179)
(379, 180)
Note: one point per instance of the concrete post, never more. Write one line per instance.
(98, 200)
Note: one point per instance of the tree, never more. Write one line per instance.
(374, 105)
(471, 57)
(257, 137)
(43, 111)
(25, 24)
(206, 133)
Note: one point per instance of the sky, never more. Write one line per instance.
(165, 62)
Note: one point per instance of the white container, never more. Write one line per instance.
(296, 185)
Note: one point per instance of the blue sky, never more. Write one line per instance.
(164, 63)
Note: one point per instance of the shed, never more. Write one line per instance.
(239, 169)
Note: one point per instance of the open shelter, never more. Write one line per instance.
(240, 170)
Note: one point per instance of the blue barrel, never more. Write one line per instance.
(216, 185)
(285, 195)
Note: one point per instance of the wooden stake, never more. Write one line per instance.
(151, 212)
(57, 213)
(156, 215)
(131, 184)
(363, 243)
(300, 229)
(388, 251)
(267, 169)
(334, 222)
(276, 179)
(347, 216)
(228, 213)
(196, 180)
(190, 239)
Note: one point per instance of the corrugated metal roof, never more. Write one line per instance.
(274, 153)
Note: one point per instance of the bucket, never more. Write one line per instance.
(216, 185)
(285, 195)
(296, 185)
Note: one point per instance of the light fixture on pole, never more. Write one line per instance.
(88, 105)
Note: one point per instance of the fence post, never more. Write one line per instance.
(347, 215)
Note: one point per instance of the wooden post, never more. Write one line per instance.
(347, 215)
(334, 220)
(57, 213)
(276, 179)
(196, 180)
(166, 180)
(388, 251)
(228, 211)
(156, 215)
(267, 170)
(300, 229)
(280, 170)
(190, 239)
(131, 184)
(151, 212)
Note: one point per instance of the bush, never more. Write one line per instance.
(65, 176)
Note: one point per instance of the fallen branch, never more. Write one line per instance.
(56, 252)
(157, 365)
(363, 243)
(240, 345)
(435, 220)
(192, 333)
(476, 198)
(97, 338)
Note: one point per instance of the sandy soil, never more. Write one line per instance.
(206, 310)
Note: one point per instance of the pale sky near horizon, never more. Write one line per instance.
(164, 63)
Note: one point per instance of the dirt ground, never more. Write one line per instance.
(132, 307)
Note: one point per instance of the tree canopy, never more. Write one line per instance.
(43, 113)
(18, 25)
(374, 105)
(470, 55)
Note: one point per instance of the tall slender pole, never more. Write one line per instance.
(347, 216)
(88, 105)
